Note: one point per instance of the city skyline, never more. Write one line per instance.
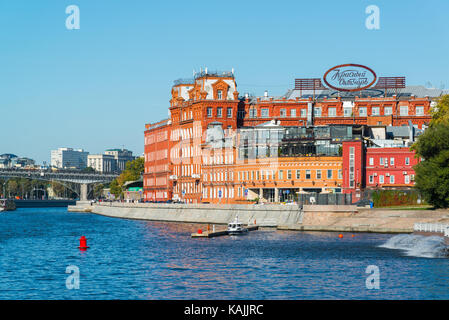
(98, 86)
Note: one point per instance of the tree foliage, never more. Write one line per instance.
(440, 113)
(133, 171)
(432, 174)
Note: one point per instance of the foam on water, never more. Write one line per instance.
(418, 245)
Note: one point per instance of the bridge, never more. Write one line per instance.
(83, 179)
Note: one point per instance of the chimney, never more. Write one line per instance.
(266, 94)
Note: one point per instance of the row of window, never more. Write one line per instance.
(384, 161)
(219, 112)
(391, 179)
(332, 112)
(218, 176)
(218, 193)
(271, 175)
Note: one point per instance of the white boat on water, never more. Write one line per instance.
(236, 227)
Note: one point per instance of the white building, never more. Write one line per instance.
(69, 158)
(102, 162)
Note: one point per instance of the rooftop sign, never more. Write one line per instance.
(349, 77)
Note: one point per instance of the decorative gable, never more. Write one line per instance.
(221, 86)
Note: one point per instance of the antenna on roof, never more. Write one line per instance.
(232, 70)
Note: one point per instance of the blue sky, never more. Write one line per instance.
(96, 87)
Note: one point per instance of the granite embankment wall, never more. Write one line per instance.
(286, 217)
(264, 215)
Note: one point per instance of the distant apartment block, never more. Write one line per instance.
(69, 158)
(121, 156)
(113, 160)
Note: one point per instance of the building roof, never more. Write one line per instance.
(407, 92)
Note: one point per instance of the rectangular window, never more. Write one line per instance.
(219, 112)
(283, 113)
(317, 112)
(209, 112)
(332, 112)
(375, 111)
(318, 174)
(406, 179)
(252, 113)
(229, 112)
(289, 174)
(371, 161)
(391, 161)
(392, 179)
(381, 161)
(362, 111)
(308, 174)
(281, 174)
(403, 111)
(371, 179)
(381, 179)
(219, 94)
(419, 110)
(264, 113)
(303, 113)
(298, 174)
(407, 161)
(388, 111)
(293, 113)
(329, 174)
(347, 112)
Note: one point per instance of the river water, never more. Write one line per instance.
(130, 259)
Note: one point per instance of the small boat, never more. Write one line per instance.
(7, 205)
(236, 227)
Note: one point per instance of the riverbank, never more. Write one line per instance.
(283, 217)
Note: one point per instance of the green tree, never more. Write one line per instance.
(98, 190)
(440, 113)
(58, 188)
(133, 171)
(432, 174)
(88, 170)
(115, 188)
(13, 188)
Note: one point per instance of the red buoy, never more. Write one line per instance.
(200, 231)
(340, 236)
(83, 243)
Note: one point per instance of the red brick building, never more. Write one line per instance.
(157, 185)
(390, 167)
(211, 97)
(181, 165)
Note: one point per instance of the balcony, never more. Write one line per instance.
(173, 177)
